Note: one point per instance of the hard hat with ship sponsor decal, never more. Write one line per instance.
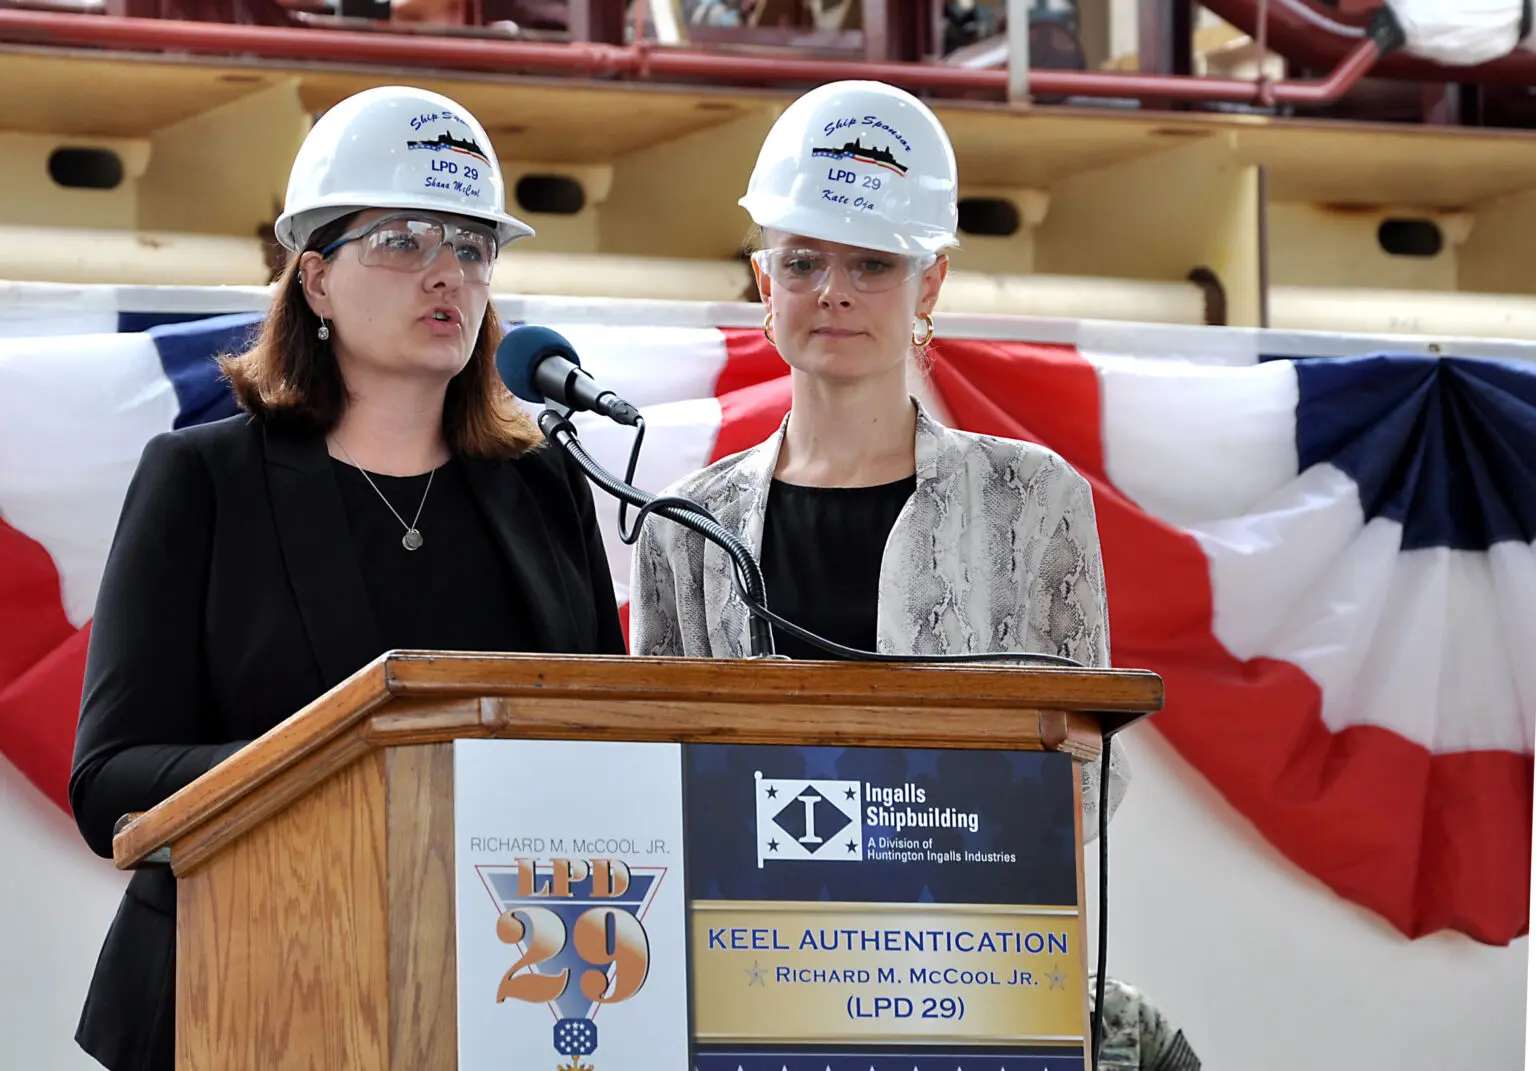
(395, 147)
(860, 163)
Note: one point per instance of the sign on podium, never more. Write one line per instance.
(782, 906)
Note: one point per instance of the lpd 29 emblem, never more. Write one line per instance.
(578, 924)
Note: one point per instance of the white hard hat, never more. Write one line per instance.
(395, 147)
(860, 163)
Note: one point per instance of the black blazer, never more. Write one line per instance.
(231, 598)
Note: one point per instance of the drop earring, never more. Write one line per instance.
(324, 333)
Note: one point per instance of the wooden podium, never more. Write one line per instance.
(315, 867)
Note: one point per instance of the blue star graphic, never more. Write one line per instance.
(821, 763)
(1025, 765)
(922, 763)
(709, 759)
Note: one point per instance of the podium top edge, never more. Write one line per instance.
(452, 673)
(334, 728)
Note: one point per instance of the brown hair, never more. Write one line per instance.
(289, 376)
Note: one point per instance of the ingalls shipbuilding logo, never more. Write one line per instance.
(826, 821)
(808, 819)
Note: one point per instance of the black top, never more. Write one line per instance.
(405, 587)
(245, 578)
(822, 549)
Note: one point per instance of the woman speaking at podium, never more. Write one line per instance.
(381, 490)
(876, 526)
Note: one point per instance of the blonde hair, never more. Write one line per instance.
(919, 364)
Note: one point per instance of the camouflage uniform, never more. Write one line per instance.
(1136, 1036)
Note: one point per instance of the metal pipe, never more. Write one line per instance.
(1343, 78)
(1318, 37)
(216, 263)
(100, 255)
(728, 67)
(1018, 51)
(593, 59)
(298, 43)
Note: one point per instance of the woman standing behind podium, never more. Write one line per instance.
(382, 490)
(876, 526)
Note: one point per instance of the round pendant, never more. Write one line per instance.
(411, 540)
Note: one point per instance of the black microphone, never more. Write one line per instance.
(538, 364)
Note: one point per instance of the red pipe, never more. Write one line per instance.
(471, 54)
(1319, 37)
(1344, 78)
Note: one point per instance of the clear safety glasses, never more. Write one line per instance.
(411, 242)
(807, 270)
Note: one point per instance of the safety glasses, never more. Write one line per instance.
(807, 270)
(410, 242)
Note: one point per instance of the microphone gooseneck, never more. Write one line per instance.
(749, 575)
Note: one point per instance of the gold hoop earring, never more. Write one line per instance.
(768, 329)
(926, 320)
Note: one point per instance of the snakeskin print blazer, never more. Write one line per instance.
(996, 550)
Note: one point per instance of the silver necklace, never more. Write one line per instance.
(412, 539)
